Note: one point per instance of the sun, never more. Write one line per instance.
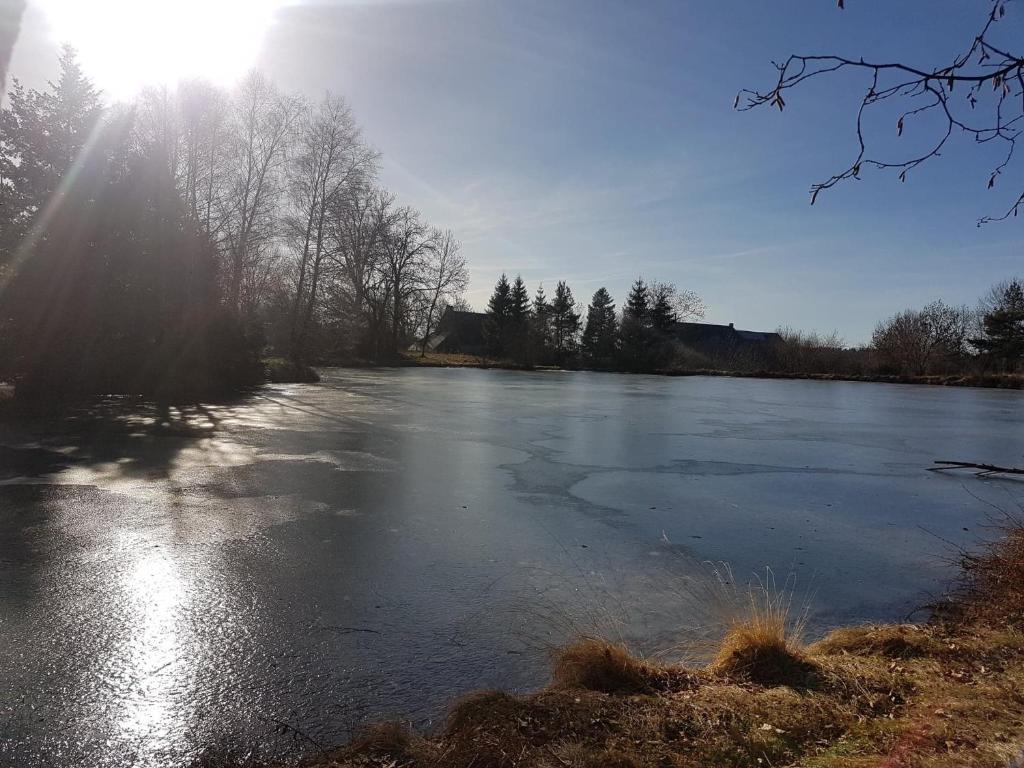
(127, 45)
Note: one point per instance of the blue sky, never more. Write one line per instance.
(592, 141)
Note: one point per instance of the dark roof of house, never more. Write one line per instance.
(712, 333)
(759, 335)
(457, 318)
(458, 331)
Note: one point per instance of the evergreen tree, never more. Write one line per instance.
(637, 306)
(498, 317)
(540, 327)
(517, 345)
(663, 298)
(635, 335)
(42, 134)
(519, 302)
(1003, 324)
(565, 323)
(599, 336)
(119, 293)
(663, 312)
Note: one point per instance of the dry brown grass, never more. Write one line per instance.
(992, 592)
(596, 665)
(949, 693)
(894, 641)
(762, 640)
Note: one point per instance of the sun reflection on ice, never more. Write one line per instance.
(153, 657)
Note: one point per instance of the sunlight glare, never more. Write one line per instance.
(126, 45)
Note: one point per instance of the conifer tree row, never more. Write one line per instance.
(552, 332)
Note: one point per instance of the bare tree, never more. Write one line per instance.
(357, 228)
(330, 160)
(686, 305)
(915, 341)
(444, 278)
(186, 128)
(979, 93)
(203, 112)
(261, 125)
(406, 245)
(812, 352)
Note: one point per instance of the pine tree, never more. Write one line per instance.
(540, 327)
(126, 290)
(663, 312)
(42, 134)
(498, 315)
(638, 302)
(1003, 325)
(565, 322)
(517, 344)
(599, 336)
(664, 299)
(519, 302)
(635, 334)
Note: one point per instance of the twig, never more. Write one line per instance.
(985, 469)
(288, 728)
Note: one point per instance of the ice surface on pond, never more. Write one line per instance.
(372, 546)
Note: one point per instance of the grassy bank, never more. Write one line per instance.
(458, 360)
(946, 693)
(988, 380)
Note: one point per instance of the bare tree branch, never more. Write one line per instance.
(991, 109)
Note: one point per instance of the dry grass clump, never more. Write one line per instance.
(992, 591)
(749, 653)
(762, 642)
(898, 641)
(596, 665)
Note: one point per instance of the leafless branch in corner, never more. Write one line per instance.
(980, 93)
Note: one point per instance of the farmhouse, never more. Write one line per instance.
(711, 339)
(459, 332)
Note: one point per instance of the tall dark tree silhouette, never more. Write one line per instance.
(119, 293)
(496, 326)
(635, 336)
(42, 134)
(601, 332)
(663, 311)
(565, 323)
(112, 288)
(517, 344)
(540, 327)
(1002, 339)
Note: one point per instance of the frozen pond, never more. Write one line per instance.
(285, 567)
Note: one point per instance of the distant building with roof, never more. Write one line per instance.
(711, 340)
(460, 332)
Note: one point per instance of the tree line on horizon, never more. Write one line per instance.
(561, 332)
(937, 339)
(167, 245)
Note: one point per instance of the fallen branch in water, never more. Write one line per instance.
(984, 469)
